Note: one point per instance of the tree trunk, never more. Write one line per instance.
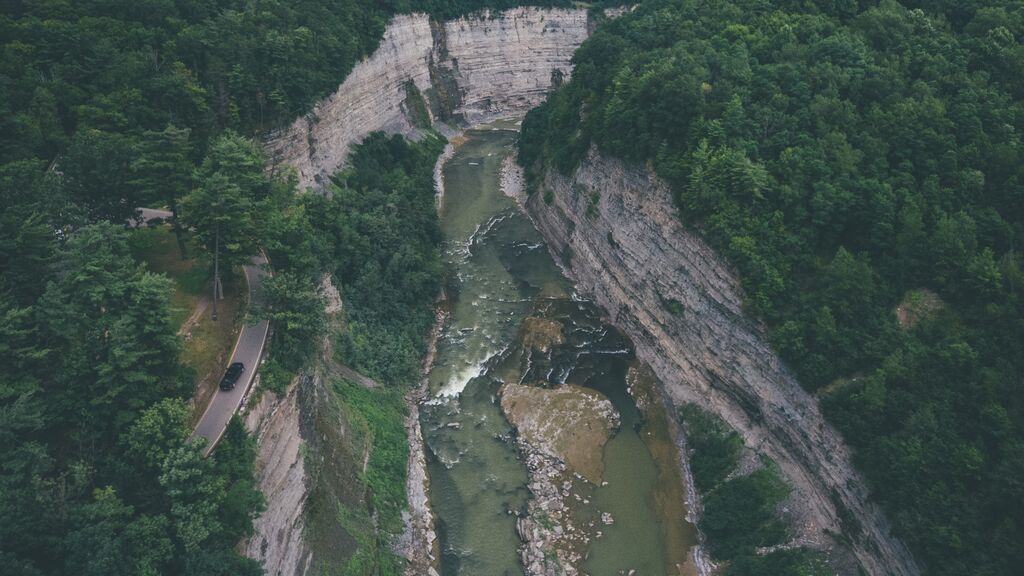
(216, 271)
(178, 232)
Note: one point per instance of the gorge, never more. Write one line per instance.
(503, 287)
(615, 232)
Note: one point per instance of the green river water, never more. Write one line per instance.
(501, 273)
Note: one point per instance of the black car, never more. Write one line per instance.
(231, 376)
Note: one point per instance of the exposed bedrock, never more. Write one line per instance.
(470, 70)
(617, 233)
(281, 475)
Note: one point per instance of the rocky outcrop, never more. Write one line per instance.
(371, 98)
(505, 63)
(568, 422)
(560, 434)
(281, 476)
(617, 233)
(470, 70)
(554, 543)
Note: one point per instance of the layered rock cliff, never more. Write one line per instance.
(617, 233)
(281, 475)
(465, 71)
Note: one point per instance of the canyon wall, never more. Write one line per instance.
(616, 232)
(281, 475)
(467, 71)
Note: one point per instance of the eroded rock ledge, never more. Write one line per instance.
(681, 306)
(568, 422)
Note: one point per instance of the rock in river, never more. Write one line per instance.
(570, 423)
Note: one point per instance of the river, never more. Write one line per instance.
(501, 275)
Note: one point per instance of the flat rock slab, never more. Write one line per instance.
(569, 422)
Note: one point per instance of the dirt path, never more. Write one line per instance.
(194, 317)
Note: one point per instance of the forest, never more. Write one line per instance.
(107, 106)
(859, 163)
(381, 223)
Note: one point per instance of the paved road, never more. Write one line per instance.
(248, 350)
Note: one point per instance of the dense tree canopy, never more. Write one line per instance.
(94, 433)
(106, 106)
(381, 224)
(849, 157)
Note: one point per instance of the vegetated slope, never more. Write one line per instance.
(106, 106)
(379, 232)
(381, 223)
(841, 155)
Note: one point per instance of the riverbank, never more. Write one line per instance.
(419, 544)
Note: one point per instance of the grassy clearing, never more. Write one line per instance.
(917, 306)
(207, 345)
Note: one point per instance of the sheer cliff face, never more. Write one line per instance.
(506, 65)
(470, 70)
(281, 474)
(617, 233)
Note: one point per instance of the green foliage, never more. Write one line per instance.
(380, 414)
(222, 209)
(164, 172)
(96, 174)
(739, 515)
(381, 221)
(274, 377)
(109, 539)
(160, 428)
(840, 155)
(715, 449)
(98, 474)
(233, 460)
(369, 559)
(297, 311)
(111, 322)
(416, 106)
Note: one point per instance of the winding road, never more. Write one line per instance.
(248, 350)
